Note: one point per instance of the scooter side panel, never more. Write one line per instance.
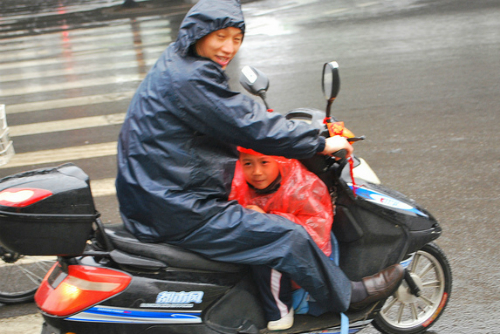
(164, 302)
(373, 242)
(240, 308)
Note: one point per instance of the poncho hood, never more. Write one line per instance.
(208, 16)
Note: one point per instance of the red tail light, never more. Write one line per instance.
(62, 294)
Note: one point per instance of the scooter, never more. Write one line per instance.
(106, 281)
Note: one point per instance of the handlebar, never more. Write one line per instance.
(340, 154)
(355, 139)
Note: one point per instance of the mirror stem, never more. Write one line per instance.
(329, 107)
(262, 95)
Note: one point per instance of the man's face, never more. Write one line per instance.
(259, 171)
(221, 45)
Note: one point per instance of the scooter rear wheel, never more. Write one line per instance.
(21, 275)
(405, 313)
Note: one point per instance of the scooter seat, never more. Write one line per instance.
(172, 256)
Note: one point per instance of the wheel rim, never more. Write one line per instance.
(405, 310)
(23, 276)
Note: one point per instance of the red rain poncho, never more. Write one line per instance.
(302, 198)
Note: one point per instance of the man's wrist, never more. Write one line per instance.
(322, 144)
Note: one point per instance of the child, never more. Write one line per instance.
(276, 185)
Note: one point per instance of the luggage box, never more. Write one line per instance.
(46, 211)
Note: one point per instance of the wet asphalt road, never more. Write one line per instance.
(420, 78)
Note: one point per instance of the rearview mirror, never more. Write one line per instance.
(255, 82)
(330, 83)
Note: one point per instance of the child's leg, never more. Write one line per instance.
(275, 290)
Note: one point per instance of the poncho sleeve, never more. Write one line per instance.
(206, 103)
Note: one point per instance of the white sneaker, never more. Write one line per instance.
(281, 324)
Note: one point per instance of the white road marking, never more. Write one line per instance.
(285, 7)
(61, 155)
(69, 8)
(335, 11)
(103, 187)
(366, 4)
(71, 85)
(75, 45)
(26, 42)
(88, 68)
(100, 55)
(69, 102)
(67, 124)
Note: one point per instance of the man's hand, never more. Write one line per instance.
(255, 208)
(337, 143)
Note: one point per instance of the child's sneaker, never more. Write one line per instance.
(281, 324)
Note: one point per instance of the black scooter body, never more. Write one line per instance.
(371, 235)
(230, 299)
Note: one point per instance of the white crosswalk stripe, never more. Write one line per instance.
(86, 44)
(62, 155)
(105, 58)
(104, 55)
(70, 85)
(86, 69)
(103, 187)
(84, 35)
(68, 102)
(66, 125)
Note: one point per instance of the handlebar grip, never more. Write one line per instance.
(340, 154)
(355, 139)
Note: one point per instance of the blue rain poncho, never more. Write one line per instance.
(176, 151)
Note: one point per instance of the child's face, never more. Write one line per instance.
(259, 171)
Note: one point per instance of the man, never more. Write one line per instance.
(177, 153)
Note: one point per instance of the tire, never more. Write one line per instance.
(405, 313)
(21, 275)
